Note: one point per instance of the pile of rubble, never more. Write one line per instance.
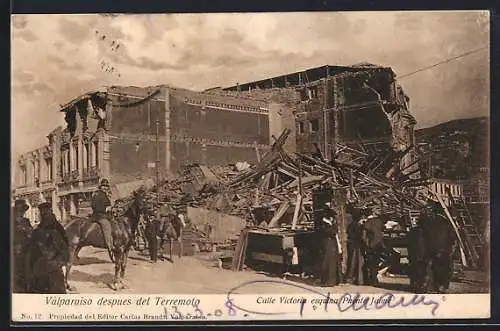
(281, 181)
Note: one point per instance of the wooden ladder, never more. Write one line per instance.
(473, 239)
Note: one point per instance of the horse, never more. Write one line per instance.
(123, 224)
(432, 250)
(171, 230)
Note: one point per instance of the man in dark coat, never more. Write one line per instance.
(355, 249)
(49, 252)
(330, 268)
(373, 235)
(21, 239)
(154, 224)
(101, 205)
(417, 264)
(439, 238)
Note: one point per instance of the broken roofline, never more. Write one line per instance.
(321, 72)
(69, 105)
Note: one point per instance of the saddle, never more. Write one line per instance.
(108, 217)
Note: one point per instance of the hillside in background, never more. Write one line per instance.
(460, 147)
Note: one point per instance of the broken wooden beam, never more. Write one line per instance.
(298, 206)
(279, 213)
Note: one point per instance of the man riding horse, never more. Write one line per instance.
(101, 205)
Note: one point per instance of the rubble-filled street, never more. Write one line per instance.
(201, 275)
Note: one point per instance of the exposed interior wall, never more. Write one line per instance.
(310, 131)
(365, 123)
(343, 107)
(281, 117)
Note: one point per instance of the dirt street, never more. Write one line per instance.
(200, 274)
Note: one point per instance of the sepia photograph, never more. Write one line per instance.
(267, 154)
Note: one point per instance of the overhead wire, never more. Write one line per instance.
(444, 61)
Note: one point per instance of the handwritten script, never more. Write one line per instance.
(346, 302)
(192, 313)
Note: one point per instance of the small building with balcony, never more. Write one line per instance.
(441, 186)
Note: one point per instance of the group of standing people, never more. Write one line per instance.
(431, 244)
(39, 254)
(365, 246)
(163, 224)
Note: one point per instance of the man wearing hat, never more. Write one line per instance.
(373, 228)
(101, 205)
(153, 230)
(21, 239)
(355, 247)
(49, 253)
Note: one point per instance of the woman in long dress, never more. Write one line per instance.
(331, 272)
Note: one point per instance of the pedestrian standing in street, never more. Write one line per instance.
(153, 230)
(151, 234)
(331, 271)
(21, 239)
(163, 218)
(373, 235)
(49, 253)
(417, 264)
(355, 248)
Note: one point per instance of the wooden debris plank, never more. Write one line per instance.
(240, 251)
(279, 213)
(286, 172)
(298, 206)
(306, 181)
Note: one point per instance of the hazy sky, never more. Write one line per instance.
(57, 57)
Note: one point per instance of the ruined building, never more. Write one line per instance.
(122, 133)
(348, 105)
(126, 133)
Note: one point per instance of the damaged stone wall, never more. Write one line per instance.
(134, 160)
(211, 120)
(282, 104)
(216, 129)
(350, 105)
(132, 133)
(136, 114)
(305, 107)
(194, 128)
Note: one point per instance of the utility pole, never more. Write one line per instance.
(157, 162)
(326, 125)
